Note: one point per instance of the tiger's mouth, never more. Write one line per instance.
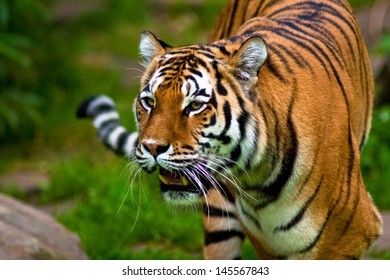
(174, 181)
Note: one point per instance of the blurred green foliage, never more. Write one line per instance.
(383, 47)
(18, 103)
(29, 67)
(50, 62)
(360, 3)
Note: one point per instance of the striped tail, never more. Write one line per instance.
(106, 120)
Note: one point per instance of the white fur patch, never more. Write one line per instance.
(147, 48)
(99, 120)
(113, 137)
(131, 143)
(100, 101)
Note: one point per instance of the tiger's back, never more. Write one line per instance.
(304, 36)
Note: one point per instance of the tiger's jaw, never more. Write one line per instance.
(178, 189)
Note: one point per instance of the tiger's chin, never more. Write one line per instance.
(177, 189)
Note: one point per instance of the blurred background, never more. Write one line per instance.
(54, 53)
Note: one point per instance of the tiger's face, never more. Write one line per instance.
(189, 111)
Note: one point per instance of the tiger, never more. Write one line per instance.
(264, 125)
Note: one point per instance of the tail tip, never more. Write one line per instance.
(88, 106)
(82, 110)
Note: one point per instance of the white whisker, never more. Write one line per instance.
(138, 210)
(195, 180)
(224, 161)
(214, 182)
(232, 181)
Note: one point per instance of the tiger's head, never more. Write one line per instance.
(192, 114)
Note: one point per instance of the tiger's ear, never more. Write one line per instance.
(150, 46)
(249, 58)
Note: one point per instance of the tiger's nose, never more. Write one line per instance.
(155, 148)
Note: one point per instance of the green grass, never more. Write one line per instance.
(114, 218)
(119, 220)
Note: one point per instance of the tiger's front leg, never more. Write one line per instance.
(223, 232)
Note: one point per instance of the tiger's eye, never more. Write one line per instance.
(196, 105)
(149, 102)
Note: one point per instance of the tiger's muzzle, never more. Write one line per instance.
(174, 182)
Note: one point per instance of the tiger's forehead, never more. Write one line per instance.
(184, 74)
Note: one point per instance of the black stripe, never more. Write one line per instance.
(187, 147)
(82, 111)
(235, 155)
(213, 121)
(195, 72)
(353, 211)
(122, 139)
(221, 48)
(319, 234)
(202, 92)
(219, 236)
(281, 57)
(213, 99)
(350, 167)
(342, 31)
(106, 128)
(183, 51)
(277, 133)
(258, 10)
(232, 16)
(313, 165)
(275, 71)
(299, 41)
(208, 55)
(308, 35)
(326, 8)
(256, 143)
(274, 189)
(242, 121)
(222, 137)
(221, 90)
(188, 77)
(224, 190)
(102, 108)
(270, 3)
(228, 121)
(296, 56)
(250, 217)
(295, 220)
(212, 211)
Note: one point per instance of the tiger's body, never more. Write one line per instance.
(266, 124)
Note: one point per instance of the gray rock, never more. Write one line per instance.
(28, 233)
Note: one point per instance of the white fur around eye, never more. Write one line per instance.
(196, 89)
(194, 110)
(147, 100)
